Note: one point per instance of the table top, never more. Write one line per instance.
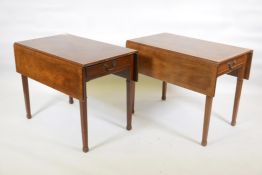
(210, 51)
(76, 49)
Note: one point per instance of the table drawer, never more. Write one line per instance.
(231, 65)
(108, 67)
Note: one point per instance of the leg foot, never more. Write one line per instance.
(233, 123)
(128, 128)
(85, 149)
(28, 116)
(204, 143)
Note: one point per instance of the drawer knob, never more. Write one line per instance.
(231, 64)
(109, 67)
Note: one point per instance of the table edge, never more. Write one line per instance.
(73, 62)
(193, 56)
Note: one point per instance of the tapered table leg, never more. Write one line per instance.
(84, 124)
(129, 103)
(133, 96)
(164, 86)
(71, 100)
(237, 99)
(26, 96)
(208, 107)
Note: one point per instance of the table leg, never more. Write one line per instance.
(237, 99)
(26, 96)
(71, 100)
(208, 107)
(129, 103)
(84, 123)
(133, 96)
(164, 86)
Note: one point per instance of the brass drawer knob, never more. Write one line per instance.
(109, 67)
(231, 64)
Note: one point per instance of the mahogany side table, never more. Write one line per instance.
(67, 62)
(193, 64)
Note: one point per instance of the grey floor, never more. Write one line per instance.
(165, 137)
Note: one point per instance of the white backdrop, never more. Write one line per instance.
(25, 148)
(235, 22)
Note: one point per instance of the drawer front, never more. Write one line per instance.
(231, 65)
(108, 67)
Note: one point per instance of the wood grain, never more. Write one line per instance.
(76, 49)
(186, 71)
(61, 75)
(193, 64)
(66, 63)
(209, 51)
